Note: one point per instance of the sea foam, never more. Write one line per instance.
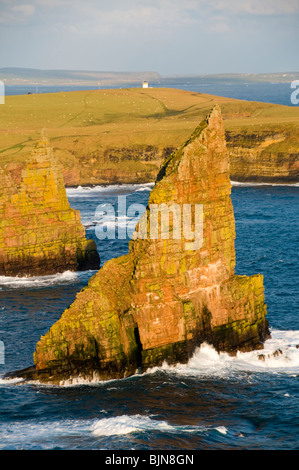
(115, 188)
(280, 355)
(43, 434)
(127, 424)
(20, 282)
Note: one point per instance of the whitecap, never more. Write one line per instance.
(113, 188)
(221, 429)
(125, 424)
(147, 187)
(12, 381)
(280, 355)
(128, 424)
(19, 282)
(43, 433)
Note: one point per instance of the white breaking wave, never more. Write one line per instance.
(239, 183)
(280, 355)
(39, 281)
(21, 434)
(87, 190)
(131, 188)
(13, 381)
(44, 434)
(146, 187)
(126, 424)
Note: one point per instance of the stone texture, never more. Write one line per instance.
(39, 232)
(257, 157)
(163, 299)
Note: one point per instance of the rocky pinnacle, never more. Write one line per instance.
(171, 292)
(39, 232)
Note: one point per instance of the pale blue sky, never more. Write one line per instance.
(166, 36)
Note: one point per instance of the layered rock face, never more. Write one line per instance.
(175, 289)
(39, 232)
(255, 158)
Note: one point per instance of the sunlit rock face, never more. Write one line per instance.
(175, 289)
(39, 232)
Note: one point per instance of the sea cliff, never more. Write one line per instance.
(267, 156)
(39, 232)
(171, 292)
(117, 136)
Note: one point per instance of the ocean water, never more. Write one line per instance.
(277, 93)
(214, 402)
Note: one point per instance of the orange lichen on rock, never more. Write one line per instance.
(167, 296)
(39, 232)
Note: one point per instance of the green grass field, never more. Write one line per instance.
(94, 128)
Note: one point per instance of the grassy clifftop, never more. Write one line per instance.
(122, 135)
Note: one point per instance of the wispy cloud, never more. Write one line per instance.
(116, 33)
(25, 9)
(149, 14)
(143, 17)
(256, 7)
(15, 12)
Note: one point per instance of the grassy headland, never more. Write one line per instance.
(122, 135)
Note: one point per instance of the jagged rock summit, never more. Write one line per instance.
(39, 232)
(170, 293)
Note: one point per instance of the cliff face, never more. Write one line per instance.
(39, 232)
(263, 157)
(123, 135)
(174, 290)
(256, 161)
(113, 165)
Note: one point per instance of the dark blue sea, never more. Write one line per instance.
(215, 402)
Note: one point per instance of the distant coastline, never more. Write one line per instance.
(268, 88)
(30, 76)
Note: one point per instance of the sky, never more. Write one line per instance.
(171, 37)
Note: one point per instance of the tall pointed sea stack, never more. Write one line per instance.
(168, 295)
(39, 232)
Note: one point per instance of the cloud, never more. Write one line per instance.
(150, 15)
(163, 35)
(166, 17)
(218, 25)
(256, 7)
(143, 17)
(25, 9)
(19, 13)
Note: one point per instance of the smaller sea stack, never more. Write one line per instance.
(40, 233)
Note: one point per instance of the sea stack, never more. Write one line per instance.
(169, 294)
(40, 233)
